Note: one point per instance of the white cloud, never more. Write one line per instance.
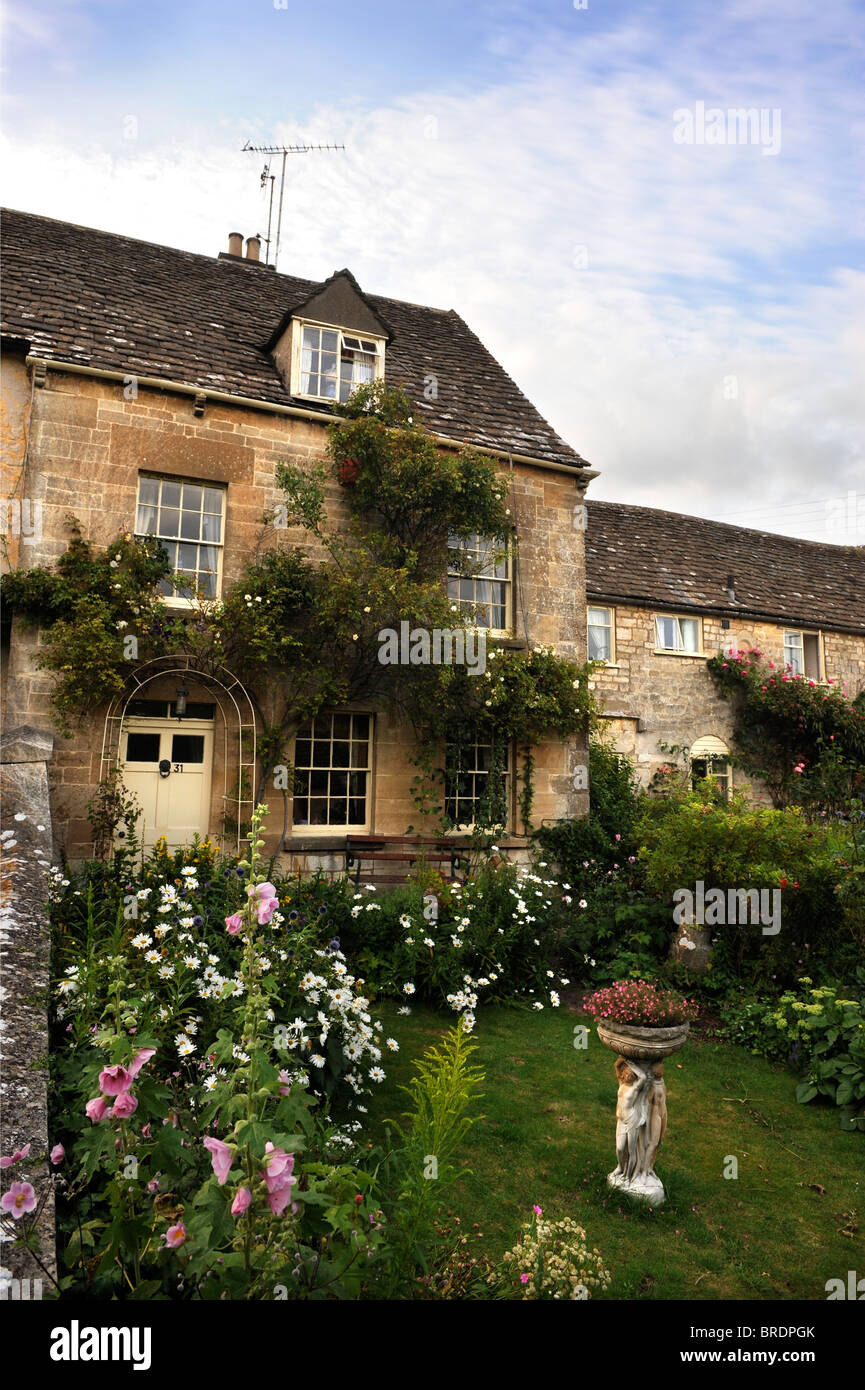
(702, 263)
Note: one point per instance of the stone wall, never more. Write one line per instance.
(25, 945)
(88, 443)
(651, 698)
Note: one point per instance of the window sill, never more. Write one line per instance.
(671, 651)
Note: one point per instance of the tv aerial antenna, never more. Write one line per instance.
(267, 176)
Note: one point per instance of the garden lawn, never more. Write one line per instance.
(791, 1220)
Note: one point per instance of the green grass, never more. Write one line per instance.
(546, 1135)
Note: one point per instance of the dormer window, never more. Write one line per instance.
(330, 363)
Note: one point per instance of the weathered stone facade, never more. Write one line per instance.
(90, 438)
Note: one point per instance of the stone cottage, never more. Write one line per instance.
(154, 391)
(665, 592)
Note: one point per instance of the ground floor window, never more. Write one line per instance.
(710, 757)
(332, 770)
(477, 784)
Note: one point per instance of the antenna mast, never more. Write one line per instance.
(285, 151)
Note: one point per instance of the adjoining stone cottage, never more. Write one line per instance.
(154, 391)
(665, 592)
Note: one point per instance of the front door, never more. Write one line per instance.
(167, 763)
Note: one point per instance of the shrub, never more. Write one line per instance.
(552, 1260)
(819, 1033)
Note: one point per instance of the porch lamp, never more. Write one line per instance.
(180, 703)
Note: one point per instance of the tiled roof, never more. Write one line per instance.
(100, 300)
(643, 556)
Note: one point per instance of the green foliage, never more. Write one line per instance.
(820, 1033)
(787, 725)
(587, 847)
(442, 1093)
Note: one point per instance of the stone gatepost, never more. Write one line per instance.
(25, 945)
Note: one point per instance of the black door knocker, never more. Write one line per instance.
(164, 768)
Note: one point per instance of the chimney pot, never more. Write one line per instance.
(235, 243)
(253, 246)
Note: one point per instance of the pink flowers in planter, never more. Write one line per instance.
(639, 1003)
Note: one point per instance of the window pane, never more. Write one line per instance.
(187, 557)
(208, 557)
(170, 493)
(329, 341)
(302, 752)
(341, 754)
(211, 527)
(667, 633)
(187, 748)
(811, 652)
(599, 617)
(146, 523)
(213, 498)
(148, 490)
(318, 811)
(190, 526)
(192, 497)
(169, 522)
(142, 748)
(599, 644)
(310, 337)
(690, 634)
(338, 783)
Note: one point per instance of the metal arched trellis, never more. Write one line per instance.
(230, 694)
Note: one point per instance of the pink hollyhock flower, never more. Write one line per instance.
(124, 1106)
(58, 1153)
(277, 1176)
(266, 909)
(143, 1055)
(145, 1130)
(97, 1108)
(175, 1235)
(264, 890)
(233, 923)
(241, 1201)
(220, 1156)
(284, 1083)
(19, 1199)
(18, 1154)
(113, 1081)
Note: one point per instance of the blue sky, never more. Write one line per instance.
(689, 316)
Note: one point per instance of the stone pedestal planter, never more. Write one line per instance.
(641, 1108)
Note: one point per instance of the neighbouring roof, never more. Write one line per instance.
(646, 557)
(79, 295)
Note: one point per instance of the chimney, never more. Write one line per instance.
(253, 246)
(235, 243)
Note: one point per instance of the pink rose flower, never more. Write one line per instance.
(233, 923)
(220, 1155)
(19, 1199)
(58, 1153)
(143, 1055)
(241, 1201)
(97, 1108)
(124, 1106)
(113, 1081)
(175, 1235)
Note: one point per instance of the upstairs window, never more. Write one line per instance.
(332, 772)
(333, 363)
(675, 634)
(601, 645)
(802, 653)
(480, 582)
(188, 518)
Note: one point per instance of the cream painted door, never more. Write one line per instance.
(167, 764)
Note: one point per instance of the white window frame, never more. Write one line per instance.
(332, 828)
(718, 763)
(610, 627)
(678, 618)
(801, 634)
(467, 608)
(343, 333)
(175, 598)
(465, 827)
